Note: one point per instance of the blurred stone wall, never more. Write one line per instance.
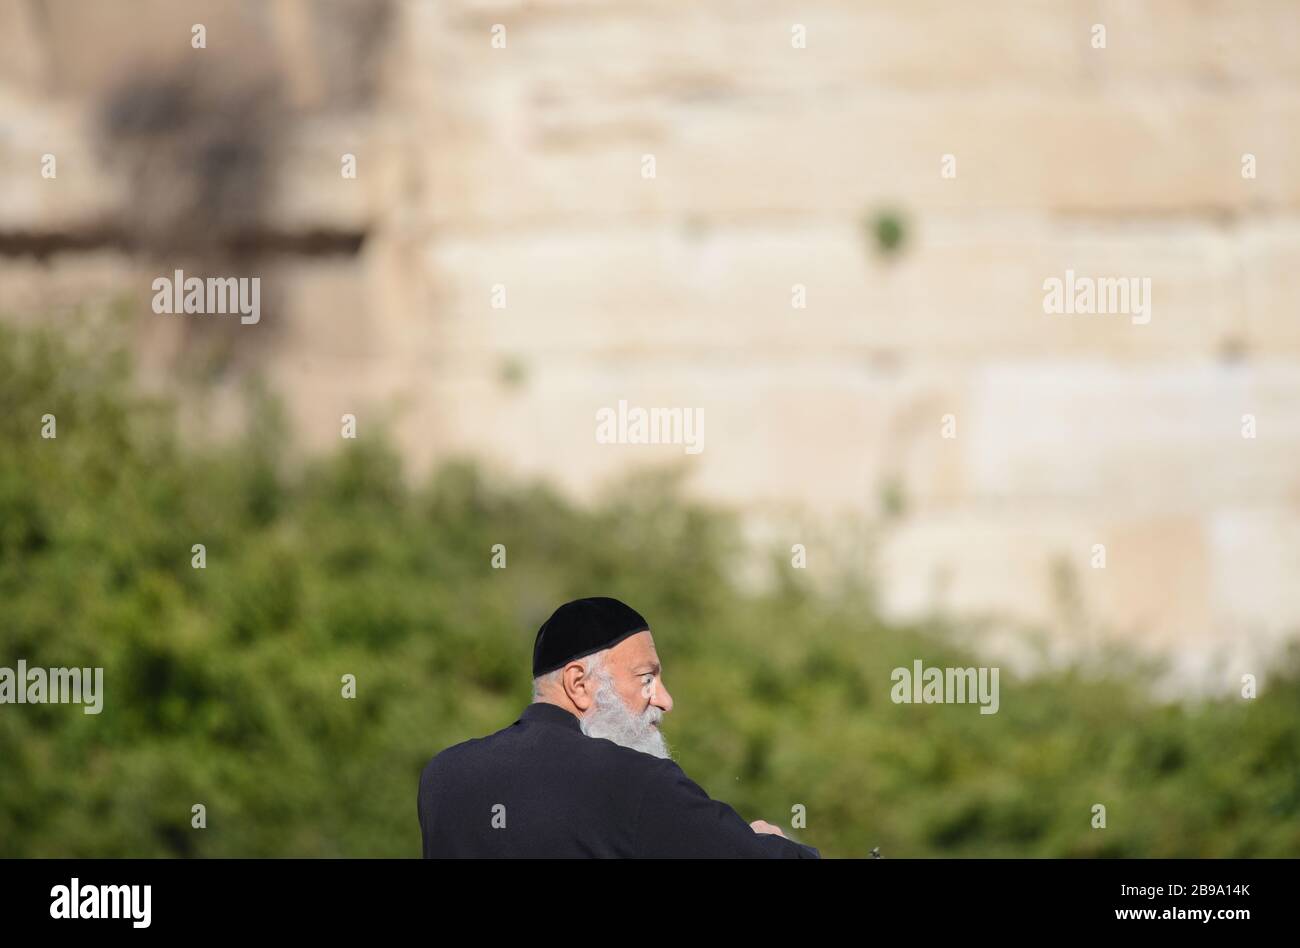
(522, 166)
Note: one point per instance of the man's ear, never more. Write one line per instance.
(578, 685)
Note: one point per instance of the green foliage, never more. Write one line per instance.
(888, 229)
(222, 685)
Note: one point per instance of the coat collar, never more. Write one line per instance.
(546, 713)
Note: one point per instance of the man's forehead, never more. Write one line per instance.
(638, 649)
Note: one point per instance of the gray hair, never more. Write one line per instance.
(594, 663)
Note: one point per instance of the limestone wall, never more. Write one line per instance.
(522, 167)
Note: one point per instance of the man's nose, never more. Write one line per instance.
(662, 699)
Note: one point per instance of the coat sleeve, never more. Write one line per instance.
(677, 819)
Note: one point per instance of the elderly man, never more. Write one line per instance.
(585, 771)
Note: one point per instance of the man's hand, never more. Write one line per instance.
(759, 826)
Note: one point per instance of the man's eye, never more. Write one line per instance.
(646, 679)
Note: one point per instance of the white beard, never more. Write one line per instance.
(613, 720)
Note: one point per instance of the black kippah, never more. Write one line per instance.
(581, 627)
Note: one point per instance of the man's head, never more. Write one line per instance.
(616, 692)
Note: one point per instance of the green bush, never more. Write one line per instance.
(222, 685)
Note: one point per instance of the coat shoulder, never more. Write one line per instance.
(448, 756)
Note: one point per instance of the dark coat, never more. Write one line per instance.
(542, 788)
